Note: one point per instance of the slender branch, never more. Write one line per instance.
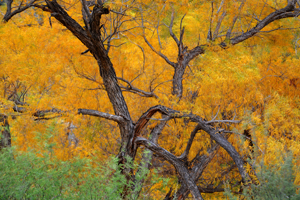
(159, 53)
(286, 12)
(96, 113)
(289, 11)
(181, 29)
(42, 113)
(171, 30)
(228, 34)
(223, 121)
(216, 32)
(209, 34)
(42, 7)
(186, 152)
(9, 13)
(135, 90)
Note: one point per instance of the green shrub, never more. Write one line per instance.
(276, 183)
(27, 176)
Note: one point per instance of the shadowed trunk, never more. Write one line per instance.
(5, 138)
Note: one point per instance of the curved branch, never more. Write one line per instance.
(286, 12)
(214, 133)
(148, 155)
(143, 120)
(179, 165)
(223, 142)
(9, 13)
(189, 144)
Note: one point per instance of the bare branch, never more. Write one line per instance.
(194, 53)
(215, 134)
(44, 8)
(171, 30)
(289, 11)
(179, 165)
(186, 152)
(9, 13)
(181, 29)
(143, 120)
(153, 49)
(96, 113)
(228, 34)
(223, 121)
(159, 53)
(135, 90)
(209, 34)
(86, 15)
(216, 32)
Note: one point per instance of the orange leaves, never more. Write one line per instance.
(257, 81)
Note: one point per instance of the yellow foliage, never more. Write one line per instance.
(257, 81)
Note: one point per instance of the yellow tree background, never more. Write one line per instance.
(42, 67)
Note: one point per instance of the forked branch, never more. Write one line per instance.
(9, 13)
(214, 133)
(178, 164)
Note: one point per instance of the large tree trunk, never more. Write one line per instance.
(91, 38)
(177, 79)
(5, 138)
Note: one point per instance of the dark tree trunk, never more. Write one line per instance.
(5, 137)
(177, 79)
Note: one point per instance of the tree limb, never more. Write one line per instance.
(214, 133)
(9, 13)
(179, 165)
(148, 155)
(286, 12)
(159, 53)
(135, 90)
(186, 152)
(96, 113)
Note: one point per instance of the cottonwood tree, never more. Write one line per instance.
(98, 40)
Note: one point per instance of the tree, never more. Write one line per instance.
(95, 37)
(5, 139)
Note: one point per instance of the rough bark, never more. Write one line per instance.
(215, 134)
(177, 163)
(177, 80)
(91, 38)
(148, 155)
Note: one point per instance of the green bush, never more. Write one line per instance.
(276, 183)
(27, 176)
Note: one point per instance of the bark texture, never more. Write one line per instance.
(5, 137)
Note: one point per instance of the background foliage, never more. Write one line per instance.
(256, 81)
